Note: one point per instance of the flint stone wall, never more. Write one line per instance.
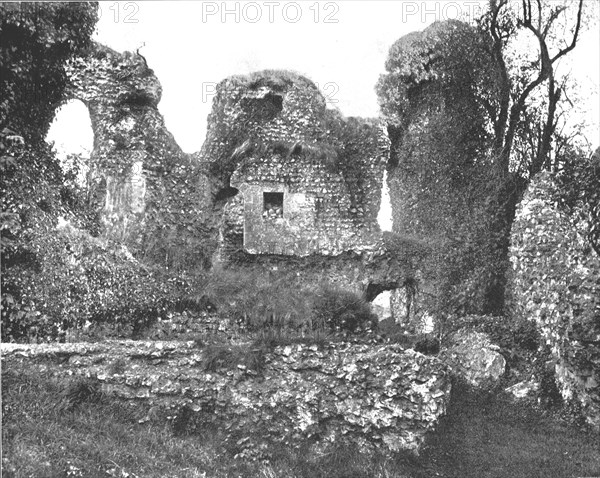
(474, 357)
(122, 96)
(144, 184)
(377, 396)
(330, 180)
(556, 283)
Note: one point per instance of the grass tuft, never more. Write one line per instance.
(81, 391)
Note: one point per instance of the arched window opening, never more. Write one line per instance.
(73, 137)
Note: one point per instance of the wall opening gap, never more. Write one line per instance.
(272, 205)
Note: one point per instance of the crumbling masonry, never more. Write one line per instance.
(281, 182)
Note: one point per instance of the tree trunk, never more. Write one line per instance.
(507, 197)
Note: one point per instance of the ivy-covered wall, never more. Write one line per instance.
(439, 179)
(556, 283)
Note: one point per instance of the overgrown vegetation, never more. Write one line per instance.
(36, 40)
(36, 43)
(472, 119)
(78, 283)
(439, 186)
(285, 304)
(483, 434)
(460, 173)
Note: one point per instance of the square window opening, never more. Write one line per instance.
(273, 205)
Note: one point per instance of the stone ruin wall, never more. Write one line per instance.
(325, 225)
(555, 283)
(379, 397)
(138, 173)
(214, 199)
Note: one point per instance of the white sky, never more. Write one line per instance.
(342, 46)
(191, 46)
(190, 55)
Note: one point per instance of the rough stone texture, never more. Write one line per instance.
(143, 181)
(296, 180)
(472, 356)
(556, 283)
(121, 94)
(408, 310)
(378, 396)
(269, 132)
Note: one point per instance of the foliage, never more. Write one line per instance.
(577, 190)
(449, 57)
(342, 310)
(472, 119)
(257, 300)
(528, 102)
(36, 40)
(57, 280)
(78, 283)
(440, 184)
(177, 233)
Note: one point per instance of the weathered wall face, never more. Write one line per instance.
(377, 396)
(122, 95)
(148, 188)
(296, 147)
(556, 283)
(318, 215)
(300, 180)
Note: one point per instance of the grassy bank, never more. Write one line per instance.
(52, 429)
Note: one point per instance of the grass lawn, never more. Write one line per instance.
(46, 434)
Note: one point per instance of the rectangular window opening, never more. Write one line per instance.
(273, 205)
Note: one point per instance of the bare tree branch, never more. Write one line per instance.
(566, 50)
(553, 16)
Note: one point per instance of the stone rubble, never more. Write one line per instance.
(379, 397)
(472, 356)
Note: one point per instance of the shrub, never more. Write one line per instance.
(257, 300)
(260, 301)
(80, 391)
(77, 282)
